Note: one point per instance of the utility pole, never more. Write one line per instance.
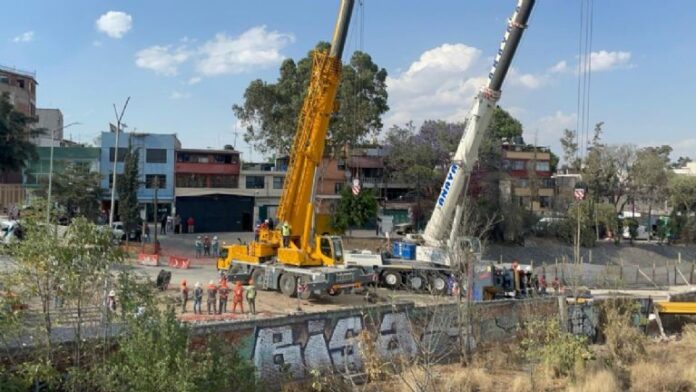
(156, 185)
(113, 175)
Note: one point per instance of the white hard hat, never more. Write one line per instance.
(215, 237)
(198, 284)
(112, 293)
(211, 282)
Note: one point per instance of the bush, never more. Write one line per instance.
(546, 344)
(624, 342)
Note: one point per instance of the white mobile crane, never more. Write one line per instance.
(432, 264)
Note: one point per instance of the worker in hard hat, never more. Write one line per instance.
(212, 297)
(223, 292)
(111, 301)
(250, 294)
(184, 295)
(197, 298)
(285, 232)
(199, 247)
(216, 246)
(238, 297)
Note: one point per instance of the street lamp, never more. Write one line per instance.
(113, 175)
(50, 170)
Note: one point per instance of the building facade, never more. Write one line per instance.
(529, 181)
(52, 121)
(207, 190)
(37, 172)
(156, 156)
(21, 85)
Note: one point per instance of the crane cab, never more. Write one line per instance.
(326, 252)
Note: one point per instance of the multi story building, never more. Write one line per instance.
(21, 87)
(688, 170)
(529, 178)
(207, 189)
(156, 155)
(52, 121)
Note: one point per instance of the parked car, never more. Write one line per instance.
(119, 232)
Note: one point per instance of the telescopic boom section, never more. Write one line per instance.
(438, 228)
(296, 203)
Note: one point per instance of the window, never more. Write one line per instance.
(522, 183)
(517, 165)
(545, 201)
(20, 83)
(506, 164)
(547, 183)
(543, 166)
(191, 181)
(338, 187)
(341, 164)
(224, 181)
(278, 182)
(254, 182)
(155, 180)
(4, 79)
(156, 155)
(122, 151)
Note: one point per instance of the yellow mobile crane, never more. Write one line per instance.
(314, 263)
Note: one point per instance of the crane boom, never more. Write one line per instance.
(441, 222)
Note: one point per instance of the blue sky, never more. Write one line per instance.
(185, 63)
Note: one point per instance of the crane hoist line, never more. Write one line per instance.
(292, 255)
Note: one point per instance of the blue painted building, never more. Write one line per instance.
(156, 158)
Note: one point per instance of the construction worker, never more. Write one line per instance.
(212, 297)
(199, 247)
(556, 285)
(250, 294)
(542, 284)
(224, 292)
(111, 301)
(216, 246)
(197, 298)
(184, 295)
(189, 224)
(257, 231)
(238, 297)
(285, 231)
(206, 246)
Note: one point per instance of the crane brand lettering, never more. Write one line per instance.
(446, 186)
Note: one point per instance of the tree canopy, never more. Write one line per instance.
(77, 190)
(270, 110)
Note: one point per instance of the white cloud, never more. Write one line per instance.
(256, 47)
(24, 37)
(162, 59)
(194, 80)
(179, 95)
(605, 61)
(550, 128)
(115, 23)
(559, 67)
(439, 85)
(529, 81)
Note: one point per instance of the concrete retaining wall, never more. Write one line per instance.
(292, 346)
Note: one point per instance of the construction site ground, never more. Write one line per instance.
(274, 304)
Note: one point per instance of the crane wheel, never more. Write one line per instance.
(258, 277)
(288, 285)
(438, 284)
(391, 279)
(416, 282)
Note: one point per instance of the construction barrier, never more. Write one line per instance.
(178, 262)
(676, 307)
(148, 259)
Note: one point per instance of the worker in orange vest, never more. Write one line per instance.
(223, 292)
(238, 296)
(184, 295)
(212, 297)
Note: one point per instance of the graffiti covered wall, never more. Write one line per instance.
(335, 341)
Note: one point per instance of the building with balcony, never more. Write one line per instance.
(207, 189)
(21, 86)
(156, 155)
(529, 180)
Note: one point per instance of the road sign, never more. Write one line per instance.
(579, 194)
(356, 187)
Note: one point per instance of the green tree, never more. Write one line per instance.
(77, 190)
(682, 191)
(270, 110)
(649, 174)
(570, 150)
(15, 148)
(354, 211)
(680, 162)
(127, 188)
